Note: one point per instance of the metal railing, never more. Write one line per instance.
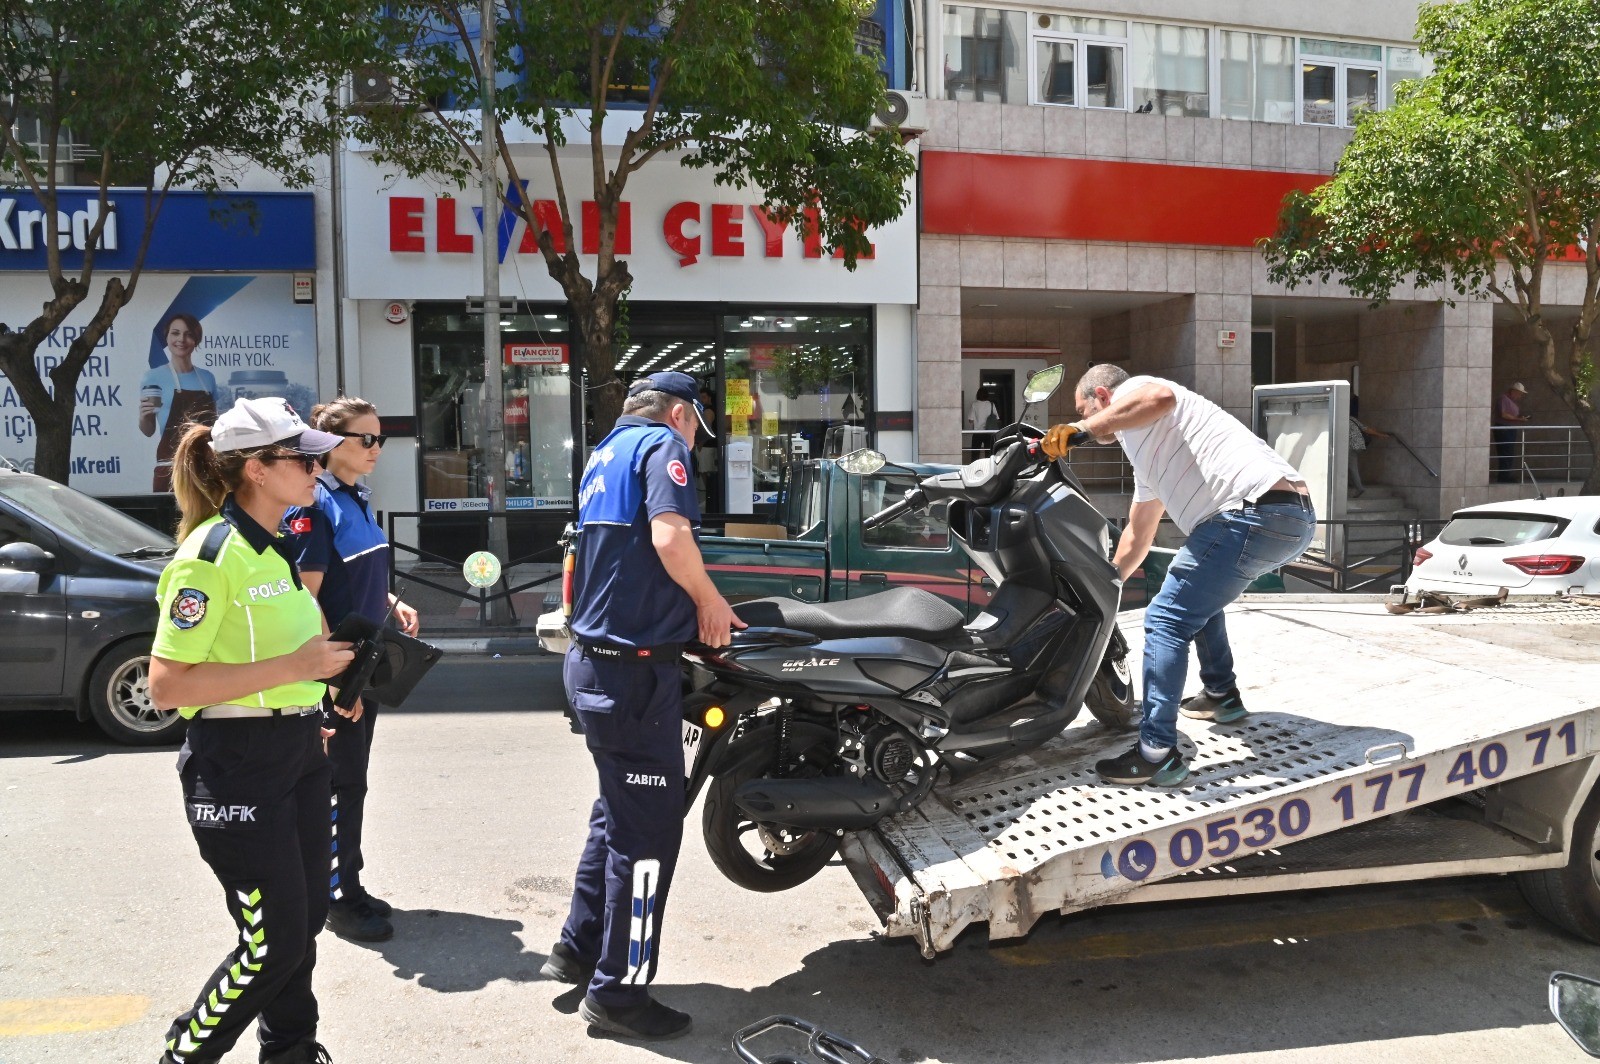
(1364, 567)
(1524, 454)
(483, 596)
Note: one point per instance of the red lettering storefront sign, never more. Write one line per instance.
(537, 354)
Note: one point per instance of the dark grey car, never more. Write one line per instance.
(78, 609)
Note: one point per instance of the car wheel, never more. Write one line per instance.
(1569, 896)
(119, 698)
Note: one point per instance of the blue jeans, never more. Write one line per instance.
(1221, 558)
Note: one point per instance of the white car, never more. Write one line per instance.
(1528, 546)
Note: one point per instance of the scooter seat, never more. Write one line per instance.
(909, 612)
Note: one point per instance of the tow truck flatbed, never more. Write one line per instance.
(1378, 749)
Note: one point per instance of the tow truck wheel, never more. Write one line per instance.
(1569, 897)
(1110, 697)
(760, 857)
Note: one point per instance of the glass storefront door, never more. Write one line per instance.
(795, 386)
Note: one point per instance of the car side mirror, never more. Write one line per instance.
(1575, 1001)
(24, 557)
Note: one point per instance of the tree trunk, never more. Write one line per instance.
(598, 323)
(1589, 421)
(52, 449)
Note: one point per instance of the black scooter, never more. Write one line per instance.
(824, 718)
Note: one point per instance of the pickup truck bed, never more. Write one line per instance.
(1379, 748)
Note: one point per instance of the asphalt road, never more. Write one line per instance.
(109, 923)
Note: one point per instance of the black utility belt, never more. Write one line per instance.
(618, 652)
(1280, 496)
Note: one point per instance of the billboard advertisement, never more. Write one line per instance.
(185, 347)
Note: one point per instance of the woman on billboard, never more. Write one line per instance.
(175, 395)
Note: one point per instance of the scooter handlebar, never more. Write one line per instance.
(914, 500)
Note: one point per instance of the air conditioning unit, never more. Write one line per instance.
(903, 110)
(372, 86)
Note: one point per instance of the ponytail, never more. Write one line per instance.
(202, 478)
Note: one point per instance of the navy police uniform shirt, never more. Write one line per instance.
(621, 592)
(338, 537)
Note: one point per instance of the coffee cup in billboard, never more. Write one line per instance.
(151, 393)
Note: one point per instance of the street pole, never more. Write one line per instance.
(492, 414)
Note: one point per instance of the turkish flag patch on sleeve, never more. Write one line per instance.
(679, 475)
(300, 526)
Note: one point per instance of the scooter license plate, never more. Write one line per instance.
(692, 734)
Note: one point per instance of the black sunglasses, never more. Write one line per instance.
(308, 461)
(368, 440)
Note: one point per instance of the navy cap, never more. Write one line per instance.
(677, 385)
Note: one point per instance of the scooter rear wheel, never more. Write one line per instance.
(760, 857)
(1110, 696)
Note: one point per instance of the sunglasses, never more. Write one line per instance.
(308, 462)
(368, 440)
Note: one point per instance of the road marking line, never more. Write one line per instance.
(31, 1016)
(1284, 929)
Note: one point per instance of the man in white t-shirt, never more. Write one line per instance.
(1245, 510)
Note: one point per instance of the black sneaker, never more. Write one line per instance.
(299, 1053)
(565, 966)
(1206, 706)
(356, 921)
(1131, 769)
(649, 1022)
(376, 904)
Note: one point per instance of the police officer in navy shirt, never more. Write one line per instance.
(640, 592)
(343, 557)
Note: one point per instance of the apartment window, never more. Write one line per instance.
(1171, 69)
(1073, 68)
(1339, 81)
(1401, 64)
(984, 54)
(1257, 72)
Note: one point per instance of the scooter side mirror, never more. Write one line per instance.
(863, 462)
(1043, 385)
(1575, 1001)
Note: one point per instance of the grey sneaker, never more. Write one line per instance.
(1206, 706)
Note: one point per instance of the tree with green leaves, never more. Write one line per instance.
(153, 95)
(767, 94)
(1482, 176)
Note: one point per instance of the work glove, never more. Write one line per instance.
(1058, 441)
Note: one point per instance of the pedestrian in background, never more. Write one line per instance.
(1360, 434)
(640, 592)
(1507, 413)
(241, 650)
(343, 557)
(1245, 511)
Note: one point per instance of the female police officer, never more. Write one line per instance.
(343, 557)
(240, 648)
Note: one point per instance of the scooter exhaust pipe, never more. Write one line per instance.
(823, 802)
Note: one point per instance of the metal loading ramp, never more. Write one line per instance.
(1356, 716)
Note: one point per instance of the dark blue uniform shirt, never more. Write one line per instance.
(338, 537)
(621, 592)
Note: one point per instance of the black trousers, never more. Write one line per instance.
(256, 790)
(632, 717)
(350, 750)
(1503, 455)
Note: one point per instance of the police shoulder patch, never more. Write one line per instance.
(188, 608)
(300, 526)
(679, 475)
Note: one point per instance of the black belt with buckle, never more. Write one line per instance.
(1281, 496)
(618, 652)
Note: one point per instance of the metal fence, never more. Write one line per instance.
(1526, 454)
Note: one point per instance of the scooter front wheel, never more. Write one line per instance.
(756, 856)
(1110, 696)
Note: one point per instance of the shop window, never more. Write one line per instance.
(794, 384)
(535, 381)
(984, 56)
(1171, 68)
(1257, 76)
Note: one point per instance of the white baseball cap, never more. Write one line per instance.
(1517, 387)
(264, 422)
